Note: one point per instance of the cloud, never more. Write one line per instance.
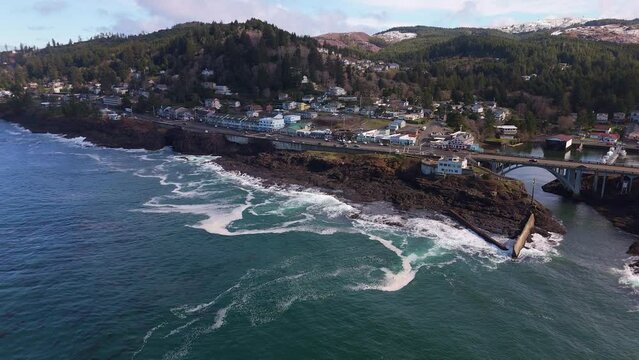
(50, 7)
(374, 15)
(165, 13)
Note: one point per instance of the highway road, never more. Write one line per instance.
(412, 150)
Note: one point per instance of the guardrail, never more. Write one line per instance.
(560, 160)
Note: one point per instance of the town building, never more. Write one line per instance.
(271, 123)
(303, 106)
(604, 128)
(477, 108)
(397, 124)
(402, 139)
(308, 98)
(500, 115)
(212, 104)
(619, 118)
(292, 119)
(336, 91)
(602, 118)
(452, 165)
(373, 136)
(506, 131)
(207, 73)
(289, 105)
(460, 140)
(309, 115)
(114, 101)
(559, 142)
(222, 90)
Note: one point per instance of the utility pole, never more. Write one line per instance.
(532, 201)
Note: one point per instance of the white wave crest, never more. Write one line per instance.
(79, 141)
(628, 278)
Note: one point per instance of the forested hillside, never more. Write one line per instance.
(253, 58)
(543, 76)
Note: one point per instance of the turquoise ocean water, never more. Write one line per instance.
(131, 254)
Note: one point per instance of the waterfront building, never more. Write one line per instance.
(402, 139)
(506, 131)
(292, 119)
(452, 165)
(560, 142)
(460, 140)
(270, 124)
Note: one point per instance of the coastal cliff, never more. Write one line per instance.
(495, 204)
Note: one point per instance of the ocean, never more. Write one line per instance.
(134, 254)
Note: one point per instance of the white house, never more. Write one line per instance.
(397, 124)
(292, 119)
(500, 115)
(336, 91)
(213, 104)
(602, 118)
(207, 73)
(477, 108)
(460, 140)
(270, 124)
(308, 98)
(506, 131)
(373, 136)
(619, 117)
(289, 105)
(399, 139)
(222, 90)
(112, 101)
(452, 165)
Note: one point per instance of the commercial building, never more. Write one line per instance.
(559, 142)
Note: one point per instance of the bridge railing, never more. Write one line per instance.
(488, 154)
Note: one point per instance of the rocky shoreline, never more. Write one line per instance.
(495, 204)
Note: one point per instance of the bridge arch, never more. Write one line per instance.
(570, 179)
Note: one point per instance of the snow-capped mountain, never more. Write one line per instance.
(392, 37)
(545, 24)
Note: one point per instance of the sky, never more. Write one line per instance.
(36, 22)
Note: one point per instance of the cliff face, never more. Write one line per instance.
(492, 203)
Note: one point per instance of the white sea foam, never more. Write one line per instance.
(627, 276)
(20, 129)
(220, 316)
(541, 248)
(79, 141)
(180, 328)
(393, 281)
(146, 338)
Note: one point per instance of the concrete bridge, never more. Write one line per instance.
(569, 173)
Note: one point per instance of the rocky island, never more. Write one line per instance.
(495, 204)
